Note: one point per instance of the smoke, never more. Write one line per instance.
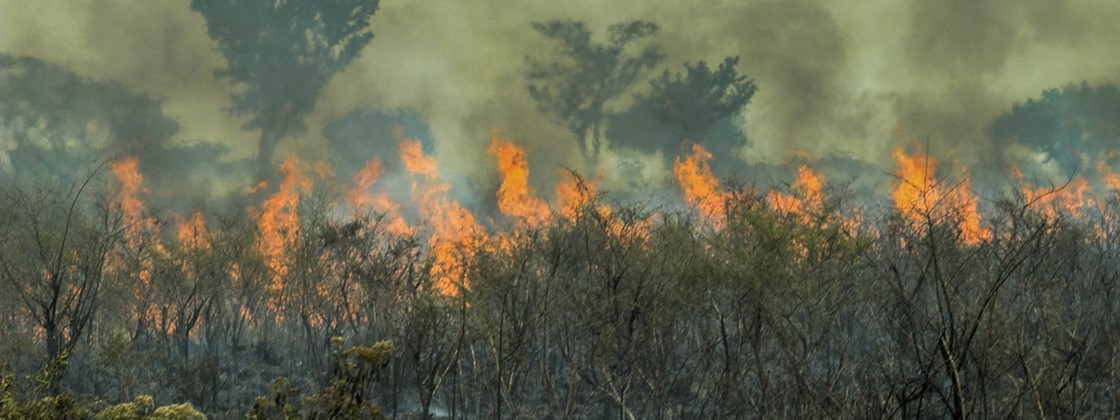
(56, 126)
(844, 79)
(1068, 128)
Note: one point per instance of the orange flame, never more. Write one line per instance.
(515, 197)
(1111, 179)
(915, 194)
(454, 229)
(127, 173)
(192, 232)
(1072, 198)
(807, 194)
(572, 194)
(699, 187)
(362, 199)
(278, 220)
(919, 195)
(137, 224)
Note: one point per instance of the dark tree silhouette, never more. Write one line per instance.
(1064, 123)
(684, 107)
(576, 90)
(691, 105)
(284, 52)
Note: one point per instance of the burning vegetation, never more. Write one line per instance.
(622, 274)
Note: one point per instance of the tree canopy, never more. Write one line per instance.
(576, 90)
(687, 106)
(1064, 123)
(284, 52)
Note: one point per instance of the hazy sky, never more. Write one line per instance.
(851, 77)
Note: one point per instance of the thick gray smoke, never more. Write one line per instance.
(56, 127)
(844, 80)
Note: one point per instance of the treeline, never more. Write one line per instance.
(829, 310)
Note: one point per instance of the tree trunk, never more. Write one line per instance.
(54, 341)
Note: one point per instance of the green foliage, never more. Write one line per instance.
(281, 405)
(692, 103)
(139, 408)
(345, 396)
(46, 380)
(142, 408)
(60, 406)
(184, 411)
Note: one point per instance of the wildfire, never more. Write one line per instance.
(278, 220)
(1110, 179)
(139, 227)
(363, 199)
(454, 230)
(1073, 197)
(572, 194)
(515, 197)
(127, 173)
(920, 196)
(807, 194)
(699, 187)
(192, 232)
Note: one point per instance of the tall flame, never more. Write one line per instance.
(139, 227)
(127, 173)
(454, 230)
(699, 187)
(919, 195)
(516, 198)
(278, 220)
(915, 193)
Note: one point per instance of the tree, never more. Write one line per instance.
(284, 52)
(577, 90)
(684, 107)
(1063, 125)
(54, 257)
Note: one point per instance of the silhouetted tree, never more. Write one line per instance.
(684, 107)
(576, 90)
(284, 52)
(1063, 124)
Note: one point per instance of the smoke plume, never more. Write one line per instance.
(843, 81)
